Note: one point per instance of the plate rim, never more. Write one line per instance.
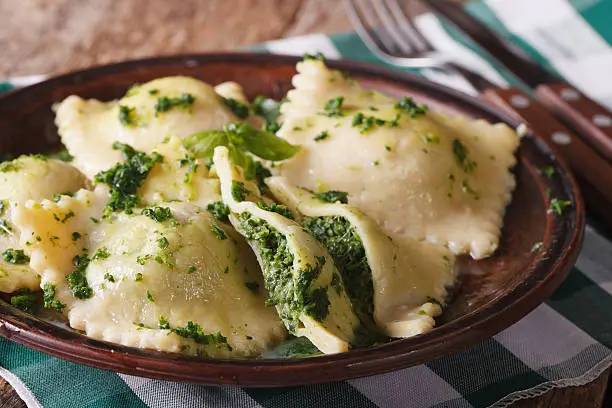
(467, 330)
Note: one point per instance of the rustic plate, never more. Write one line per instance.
(495, 292)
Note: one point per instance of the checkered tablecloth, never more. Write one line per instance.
(566, 341)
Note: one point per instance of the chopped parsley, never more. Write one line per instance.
(239, 191)
(109, 277)
(164, 103)
(240, 109)
(77, 279)
(194, 332)
(58, 197)
(333, 196)
(9, 166)
(366, 123)
(159, 214)
(127, 115)
(163, 323)
(549, 171)
(125, 178)
(163, 243)
(558, 206)
(466, 188)
(434, 301)
(142, 259)
(192, 167)
(461, 153)
(15, 256)
(321, 136)
(221, 235)
(333, 107)
(101, 254)
(409, 106)
(65, 218)
(431, 138)
(277, 208)
(388, 148)
(5, 227)
(150, 297)
(153, 91)
(138, 277)
(192, 269)
(317, 57)
(49, 298)
(252, 286)
(25, 300)
(219, 210)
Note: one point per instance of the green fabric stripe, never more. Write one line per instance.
(598, 13)
(336, 395)
(481, 11)
(80, 385)
(579, 299)
(475, 373)
(5, 86)
(582, 362)
(466, 42)
(350, 46)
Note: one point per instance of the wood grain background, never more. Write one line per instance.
(54, 36)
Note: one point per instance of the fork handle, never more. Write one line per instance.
(590, 120)
(586, 163)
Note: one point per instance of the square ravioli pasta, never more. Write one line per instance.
(418, 173)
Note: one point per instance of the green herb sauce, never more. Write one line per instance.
(346, 248)
(290, 293)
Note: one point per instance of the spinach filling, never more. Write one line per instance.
(288, 291)
(346, 248)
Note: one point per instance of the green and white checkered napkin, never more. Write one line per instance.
(566, 341)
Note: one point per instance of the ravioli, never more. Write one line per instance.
(400, 285)
(180, 176)
(27, 177)
(299, 274)
(169, 278)
(417, 173)
(143, 118)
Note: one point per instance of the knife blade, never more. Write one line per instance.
(591, 121)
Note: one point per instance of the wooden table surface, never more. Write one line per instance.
(43, 36)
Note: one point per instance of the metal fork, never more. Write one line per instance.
(390, 34)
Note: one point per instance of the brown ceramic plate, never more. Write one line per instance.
(499, 291)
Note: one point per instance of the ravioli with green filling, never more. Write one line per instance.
(392, 283)
(148, 113)
(169, 277)
(28, 177)
(416, 172)
(299, 274)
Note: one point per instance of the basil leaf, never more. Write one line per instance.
(261, 143)
(203, 144)
(240, 158)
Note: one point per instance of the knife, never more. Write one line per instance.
(590, 120)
